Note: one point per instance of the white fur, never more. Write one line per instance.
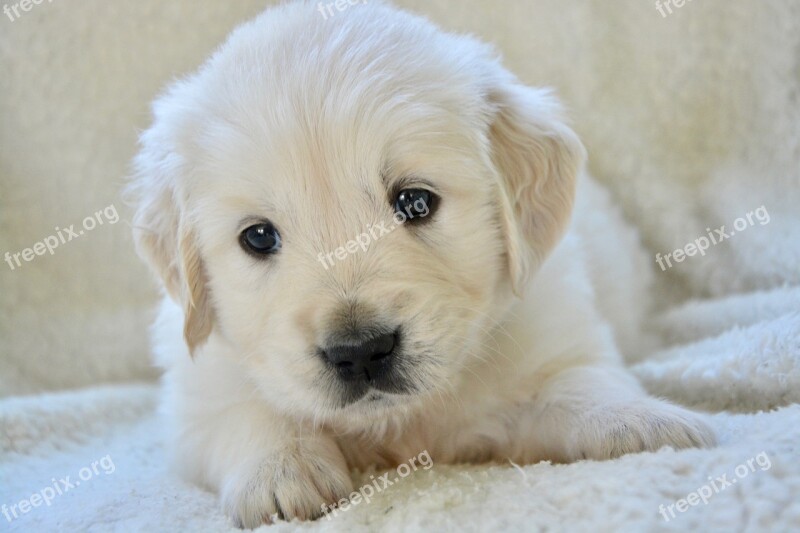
(296, 119)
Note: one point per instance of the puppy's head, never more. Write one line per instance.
(350, 203)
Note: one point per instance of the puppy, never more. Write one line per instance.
(467, 325)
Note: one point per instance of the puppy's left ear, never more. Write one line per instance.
(538, 158)
(163, 232)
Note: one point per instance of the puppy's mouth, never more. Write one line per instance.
(377, 399)
(388, 390)
(373, 396)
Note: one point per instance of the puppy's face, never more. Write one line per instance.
(349, 270)
(350, 209)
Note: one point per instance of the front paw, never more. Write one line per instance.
(291, 483)
(613, 431)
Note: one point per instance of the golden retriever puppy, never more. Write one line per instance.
(360, 222)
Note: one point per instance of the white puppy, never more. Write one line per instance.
(358, 220)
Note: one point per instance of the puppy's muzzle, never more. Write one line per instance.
(367, 358)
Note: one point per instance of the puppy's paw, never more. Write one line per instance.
(292, 483)
(617, 430)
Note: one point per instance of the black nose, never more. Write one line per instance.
(365, 357)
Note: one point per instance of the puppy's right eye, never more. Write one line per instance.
(261, 239)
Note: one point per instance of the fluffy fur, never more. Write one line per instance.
(310, 122)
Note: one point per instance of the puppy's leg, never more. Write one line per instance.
(263, 464)
(260, 462)
(601, 412)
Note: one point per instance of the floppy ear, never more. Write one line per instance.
(164, 238)
(538, 159)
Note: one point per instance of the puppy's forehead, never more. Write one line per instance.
(331, 90)
(321, 115)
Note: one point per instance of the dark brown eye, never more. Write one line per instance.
(415, 204)
(261, 239)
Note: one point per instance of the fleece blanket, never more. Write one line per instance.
(691, 116)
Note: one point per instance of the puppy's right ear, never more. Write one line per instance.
(163, 234)
(538, 158)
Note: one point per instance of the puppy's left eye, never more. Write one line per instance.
(261, 239)
(415, 204)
